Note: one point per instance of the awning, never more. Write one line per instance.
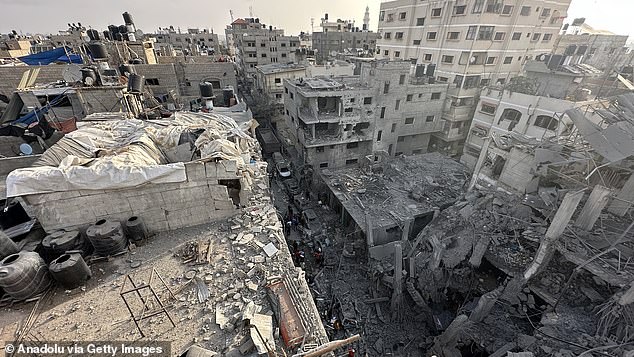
(61, 54)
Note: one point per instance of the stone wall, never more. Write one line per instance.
(162, 207)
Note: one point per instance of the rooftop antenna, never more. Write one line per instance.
(312, 24)
(250, 11)
(231, 14)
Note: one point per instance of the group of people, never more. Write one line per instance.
(292, 221)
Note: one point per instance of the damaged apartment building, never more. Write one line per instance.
(392, 108)
(471, 44)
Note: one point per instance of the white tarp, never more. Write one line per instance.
(127, 153)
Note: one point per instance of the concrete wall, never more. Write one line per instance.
(517, 173)
(10, 76)
(163, 207)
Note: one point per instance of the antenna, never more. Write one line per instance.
(312, 24)
(250, 11)
(231, 14)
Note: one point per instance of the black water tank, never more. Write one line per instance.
(206, 90)
(98, 50)
(118, 36)
(113, 29)
(136, 83)
(88, 76)
(123, 29)
(136, 61)
(430, 70)
(326, 17)
(108, 35)
(127, 18)
(93, 35)
(12, 214)
(126, 69)
(227, 94)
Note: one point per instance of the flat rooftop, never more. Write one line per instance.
(316, 84)
(279, 68)
(403, 187)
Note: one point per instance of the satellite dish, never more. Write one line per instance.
(72, 74)
(542, 58)
(138, 34)
(26, 149)
(473, 59)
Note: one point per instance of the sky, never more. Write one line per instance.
(43, 16)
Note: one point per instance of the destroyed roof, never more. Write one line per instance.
(408, 186)
(613, 138)
(279, 67)
(328, 84)
(114, 154)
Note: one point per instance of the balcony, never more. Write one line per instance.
(460, 113)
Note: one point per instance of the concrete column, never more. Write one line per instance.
(407, 225)
(480, 162)
(397, 294)
(621, 203)
(555, 230)
(369, 234)
(595, 204)
(485, 304)
(312, 131)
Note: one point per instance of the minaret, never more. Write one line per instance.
(366, 19)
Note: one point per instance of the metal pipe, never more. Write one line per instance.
(329, 347)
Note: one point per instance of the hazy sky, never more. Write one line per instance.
(47, 16)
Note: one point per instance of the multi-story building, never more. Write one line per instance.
(470, 44)
(583, 44)
(342, 36)
(270, 78)
(340, 121)
(254, 44)
(194, 42)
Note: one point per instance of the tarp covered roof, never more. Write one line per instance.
(61, 54)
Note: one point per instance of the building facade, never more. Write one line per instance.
(194, 42)
(270, 79)
(386, 111)
(341, 36)
(253, 44)
(470, 44)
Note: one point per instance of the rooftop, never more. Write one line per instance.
(279, 67)
(328, 84)
(404, 187)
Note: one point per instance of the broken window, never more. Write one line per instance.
(409, 120)
(378, 135)
(398, 35)
(367, 100)
(511, 115)
(398, 104)
(323, 165)
(327, 104)
(386, 87)
(409, 98)
(393, 127)
(402, 15)
(427, 57)
(382, 112)
(436, 95)
(351, 161)
(278, 80)
(233, 189)
(488, 108)
(401, 79)
(429, 118)
(546, 122)
(152, 81)
(352, 145)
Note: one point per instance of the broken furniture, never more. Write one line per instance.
(149, 301)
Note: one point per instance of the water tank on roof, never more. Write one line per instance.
(107, 35)
(326, 17)
(113, 29)
(206, 90)
(126, 70)
(227, 95)
(136, 61)
(93, 35)
(118, 36)
(136, 83)
(123, 29)
(131, 37)
(98, 50)
(127, 18)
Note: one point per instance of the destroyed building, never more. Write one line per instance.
(270, 78)
(336, 122)
(342, 36)
(211, 284)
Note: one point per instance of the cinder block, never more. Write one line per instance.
(211, 170)
(145, 202)
(218, 192)
(195, 171)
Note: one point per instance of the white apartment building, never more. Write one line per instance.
(254, 44)
(470, 44)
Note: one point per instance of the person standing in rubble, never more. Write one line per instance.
(319, 256)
